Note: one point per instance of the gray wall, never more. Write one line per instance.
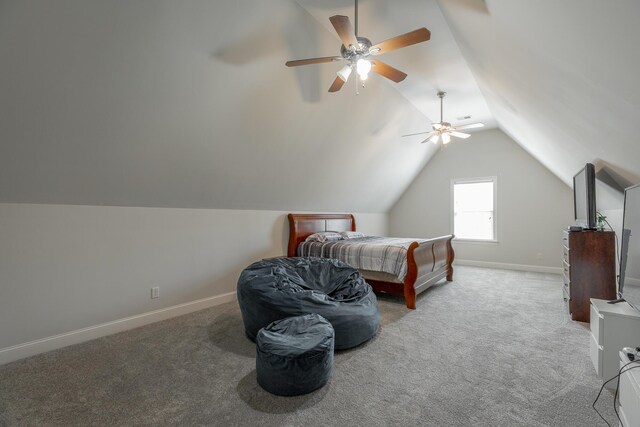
(63, 268)
(533, 204)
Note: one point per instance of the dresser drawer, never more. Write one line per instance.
(596, 353)
(629, 396)
(622, 412)
(566, 299)
(597, 325)
(566, 279)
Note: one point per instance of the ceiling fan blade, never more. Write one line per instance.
(469, 126)
(387, 71)
(413, 37)
(336, 85)
(313, 61)
(460, 134)
(345, 30)
(419, 133)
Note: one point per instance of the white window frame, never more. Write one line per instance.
(494, 180)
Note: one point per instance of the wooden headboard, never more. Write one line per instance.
(302, 226)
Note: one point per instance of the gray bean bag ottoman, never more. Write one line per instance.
(294, 355)
(275, 288)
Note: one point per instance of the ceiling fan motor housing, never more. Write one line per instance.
(364, 44)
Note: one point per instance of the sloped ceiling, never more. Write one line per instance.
(189, 104)
(560, 77)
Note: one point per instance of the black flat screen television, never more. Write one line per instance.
(630, 248)
(584, 197)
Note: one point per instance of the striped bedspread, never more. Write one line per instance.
(385, 254)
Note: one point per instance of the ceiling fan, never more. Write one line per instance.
(444, 130)
(357, 50)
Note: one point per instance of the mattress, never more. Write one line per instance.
(369, 254)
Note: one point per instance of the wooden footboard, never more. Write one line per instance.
(427, 263)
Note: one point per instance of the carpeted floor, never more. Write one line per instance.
(492, 348)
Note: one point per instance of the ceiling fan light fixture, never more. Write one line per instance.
(446, 138)
(344, 73)
(434, 138)
(363, 67)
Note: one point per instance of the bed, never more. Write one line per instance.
(427, 261)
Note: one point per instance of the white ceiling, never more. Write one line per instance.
(560, 77)
(189, 104)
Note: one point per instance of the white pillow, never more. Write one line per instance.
(351, 234)
(324, 236)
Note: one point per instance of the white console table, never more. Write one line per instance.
(629, 393)
(613, 327)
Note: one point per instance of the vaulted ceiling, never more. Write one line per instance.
(189, 104)
(560, 77)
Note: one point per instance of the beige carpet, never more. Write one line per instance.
(492, 348)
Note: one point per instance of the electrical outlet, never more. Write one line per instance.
(155, 292)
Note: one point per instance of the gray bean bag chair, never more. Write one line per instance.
(294, 355)
(275, 288)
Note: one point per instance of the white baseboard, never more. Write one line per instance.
(631, 281)
(506, 266)
(19, 351)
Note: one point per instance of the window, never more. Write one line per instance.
(474, 209)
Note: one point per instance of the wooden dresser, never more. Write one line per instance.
(589, 270)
